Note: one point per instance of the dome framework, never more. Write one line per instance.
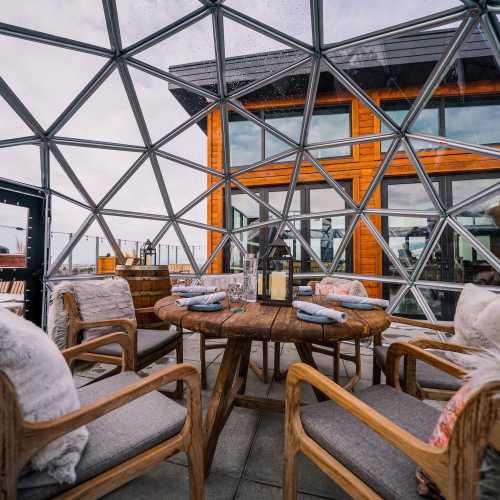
(120, 59)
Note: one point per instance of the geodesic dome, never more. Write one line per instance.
(105, 108)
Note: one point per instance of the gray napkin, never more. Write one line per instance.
(355, 299)
(317, 310)
(202, 299)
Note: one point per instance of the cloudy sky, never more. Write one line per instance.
(47, 78)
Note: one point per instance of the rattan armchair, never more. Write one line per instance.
(110, 409)
(371, 443)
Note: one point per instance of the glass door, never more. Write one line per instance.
(21, 251)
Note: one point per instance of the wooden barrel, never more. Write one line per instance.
(148, 284)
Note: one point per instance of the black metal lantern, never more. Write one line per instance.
(277, 274)
(148, 254)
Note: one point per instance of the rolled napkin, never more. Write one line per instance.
(354, 299)
(317, 310)
(305, 289)
(194, 289)
(211, 298)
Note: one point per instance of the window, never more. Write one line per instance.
(453, 259)
(466, 118)
(427, 121)
(472, 119)
(249, 143)
(323, 233)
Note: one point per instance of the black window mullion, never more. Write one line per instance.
(442, 123)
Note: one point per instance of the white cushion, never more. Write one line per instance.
(45, 391)
(477, 318)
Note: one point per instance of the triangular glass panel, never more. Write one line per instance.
(45, 78)
(277, 198)
(192, 144)
(246, 210)
(66, 219)
(176, 102)
(21, 164)
(271, 13)
(387, 68)
(106, 116)
(408, 238)
(92, 254)
(60, 182)
(176, 178)
(410, 308)
(251, 56)
(197, 64)
(11, 125)
(140, 193)
(197, 240)
(81, 20)
(98, 169)
(341, 20)
(140, 19)
(131, 233)
(468, 94)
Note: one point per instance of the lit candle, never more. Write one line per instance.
(259, 284)
(278, 285)
(149, 260)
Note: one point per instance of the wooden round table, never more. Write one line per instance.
(271, 323)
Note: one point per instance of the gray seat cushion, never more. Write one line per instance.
(384, 468)
(427, 376)
(148, 341)
(118, 435)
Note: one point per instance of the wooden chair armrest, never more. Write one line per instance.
(112, 338)
(145, 309)
(423, 324)
(444, 346)
(38, 434)
(422, 453)
(413, 349)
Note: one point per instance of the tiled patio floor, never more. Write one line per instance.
(248, 460)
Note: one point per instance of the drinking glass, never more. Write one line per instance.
(236, 297)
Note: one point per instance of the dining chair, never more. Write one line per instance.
(127, 437)
(372, 442)
(148, 346)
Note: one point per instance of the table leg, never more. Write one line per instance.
(377, 340)
(227, 386)
(336, 362)
(305, 352)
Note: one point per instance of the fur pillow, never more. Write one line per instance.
(477, 317)
(340, 286)
(103, 299)
(45, 391)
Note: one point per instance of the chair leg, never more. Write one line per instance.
(290, 462)
(277, 365)
(265, 370)
(203, 362)
(377, 372)
(179, 357)
(194, 450)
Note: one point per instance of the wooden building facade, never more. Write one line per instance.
(392, 73)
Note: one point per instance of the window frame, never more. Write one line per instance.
(305, 204)
(261, 114)
(441, 104)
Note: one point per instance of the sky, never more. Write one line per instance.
(47, 78)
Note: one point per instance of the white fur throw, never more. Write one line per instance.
(45, 391)
(96, 299)
(477, 321)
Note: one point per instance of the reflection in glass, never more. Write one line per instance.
(427, 121)
(330, 123)
(287, 121)
(470, 119)
(245, 140)
(409, 195)
(13, 235)
(326, 233)
(482, 219)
